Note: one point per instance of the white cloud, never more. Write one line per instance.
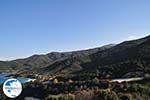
(134, 37)
(131, 37)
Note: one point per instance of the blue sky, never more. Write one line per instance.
(41, 26)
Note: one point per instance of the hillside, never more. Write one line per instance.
(129, 56)
(109, 61)
(41, 61)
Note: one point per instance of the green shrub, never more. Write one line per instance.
(125, 96)
(106, 95)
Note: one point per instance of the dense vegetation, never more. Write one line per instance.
(81, 90)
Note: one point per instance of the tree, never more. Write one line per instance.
(84, 95)
(106, 95)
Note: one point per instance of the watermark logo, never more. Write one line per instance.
(12, 88)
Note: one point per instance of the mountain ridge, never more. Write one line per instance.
(127, 56)
(36, 61)
(110, 60)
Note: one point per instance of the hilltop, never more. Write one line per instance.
(128, 57)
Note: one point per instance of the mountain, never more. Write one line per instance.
(41, 61)
(129, 56)
(121, 59)
(109, 61)
(4, 65)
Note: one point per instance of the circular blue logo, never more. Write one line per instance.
(12, 88)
